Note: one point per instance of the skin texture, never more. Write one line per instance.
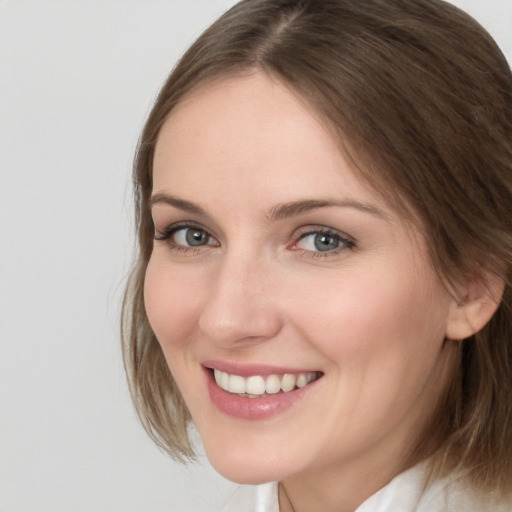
(371, 315)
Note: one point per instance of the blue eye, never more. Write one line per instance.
(185, 237)
(192, 237)
(321, 241)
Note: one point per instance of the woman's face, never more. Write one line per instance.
(275, 266)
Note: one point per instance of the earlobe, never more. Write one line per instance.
(478, 303)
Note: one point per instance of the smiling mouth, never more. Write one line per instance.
(258, 386)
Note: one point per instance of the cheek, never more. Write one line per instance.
(381, 339)
(172, 302)
(374, 316)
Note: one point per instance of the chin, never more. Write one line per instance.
(242, 474)
(245, 467)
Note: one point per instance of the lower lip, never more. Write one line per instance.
(252, 408)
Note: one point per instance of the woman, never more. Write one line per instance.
(323, 193)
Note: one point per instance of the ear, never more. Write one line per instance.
(479, 300)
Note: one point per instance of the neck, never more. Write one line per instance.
(333, 490)
(344, 487)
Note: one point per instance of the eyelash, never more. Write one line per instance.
(345, 242)
(167, 234)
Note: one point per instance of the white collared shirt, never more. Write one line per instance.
(405, 493)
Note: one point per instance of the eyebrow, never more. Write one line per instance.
(278, 212)
(176, 202)
(294, 208)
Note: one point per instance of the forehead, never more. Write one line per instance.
(253, 130)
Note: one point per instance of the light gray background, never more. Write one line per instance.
(77, 78)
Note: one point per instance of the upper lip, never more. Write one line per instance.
(248, 370)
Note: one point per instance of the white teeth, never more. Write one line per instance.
(272, 384)
(257, 385)
(236, 384)
(288, 382)
(224, 380)
(301, 381)
(221, 378)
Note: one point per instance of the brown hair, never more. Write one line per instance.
(420, 97)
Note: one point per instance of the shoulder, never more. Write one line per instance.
(452, 495)
(254, 498)
(406, 493)
(409, 492)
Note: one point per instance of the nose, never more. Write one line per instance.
(241, 305)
